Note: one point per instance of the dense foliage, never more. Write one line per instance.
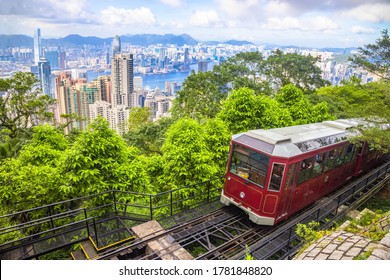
(245, 92)
(375, 58)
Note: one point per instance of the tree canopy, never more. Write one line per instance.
(243, 110)
(282, 69)
(23, 104)
(375, 58)
(203, 93)
(369, 102)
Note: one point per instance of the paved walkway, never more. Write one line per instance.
(343, 245)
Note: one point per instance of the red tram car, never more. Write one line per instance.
(274, 173)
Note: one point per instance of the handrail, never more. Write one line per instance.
(152, 205)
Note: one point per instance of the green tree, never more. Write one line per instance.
(370, 102)
(217, 138)
(242, 70)
(23, 104)
(271, 114)
(186, 157)
(239, 111)
(375, 58)
(150, 137)
(34, 178)
(243, 111)
(299, 107)
(282, 69)
(100, 160)
(199, 98)
(138, 118)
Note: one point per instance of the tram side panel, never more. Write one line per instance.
(334, 167)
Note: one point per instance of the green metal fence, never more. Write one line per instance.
(63, 223)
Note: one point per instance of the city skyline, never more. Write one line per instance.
(343, 23)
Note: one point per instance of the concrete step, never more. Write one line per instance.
(78, 255)
(88, 249)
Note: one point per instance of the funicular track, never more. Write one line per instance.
(220, 234)
(225, 233)
(281, 241)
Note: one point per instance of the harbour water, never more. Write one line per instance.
(154, 80)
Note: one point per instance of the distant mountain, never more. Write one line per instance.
(238, 43)
(75, 39)
(153, 39)
(11, 41)
(211, 43)
(339, 50)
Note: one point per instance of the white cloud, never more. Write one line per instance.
(239, 8)
(139, 16)
(319, 23)
(172, 3)
(322, 23)
(362, 30)
(208, 18)
(276, 23)
(378, 12)
(72, 8)
(277, 8)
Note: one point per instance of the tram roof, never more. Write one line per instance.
(295, 140)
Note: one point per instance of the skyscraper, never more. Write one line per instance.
(62, 60)
(53, 58)
(37, 46)
(186, 56)
(202, 66)
(116, 46)
(161, 58)
(44, 72)
(122, 80)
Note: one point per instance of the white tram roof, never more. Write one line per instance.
(295, 140)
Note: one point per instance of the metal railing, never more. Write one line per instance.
(332, 209)
(68, 222)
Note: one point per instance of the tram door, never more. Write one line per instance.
(288, 190)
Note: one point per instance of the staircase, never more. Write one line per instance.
(87, 251)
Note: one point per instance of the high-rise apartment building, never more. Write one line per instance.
(71, 99)
(99, 108)
(118, 118)
(116, 46)
(103, 84)
(122, 79)
(138, 83)
(37, 46)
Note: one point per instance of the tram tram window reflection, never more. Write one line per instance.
(276, 178)
(334, 159)
(249, 164)
(318, 166)
(349, 152)
(305, 170)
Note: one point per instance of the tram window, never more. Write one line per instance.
(305, 170)
(276, 178)
(249, 164)
(334, 159)
(349, 152)
(318, 166)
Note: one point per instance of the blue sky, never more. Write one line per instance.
(325, 23)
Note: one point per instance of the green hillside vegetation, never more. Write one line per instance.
(42, 165)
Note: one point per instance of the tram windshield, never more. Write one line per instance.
(249, 164)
